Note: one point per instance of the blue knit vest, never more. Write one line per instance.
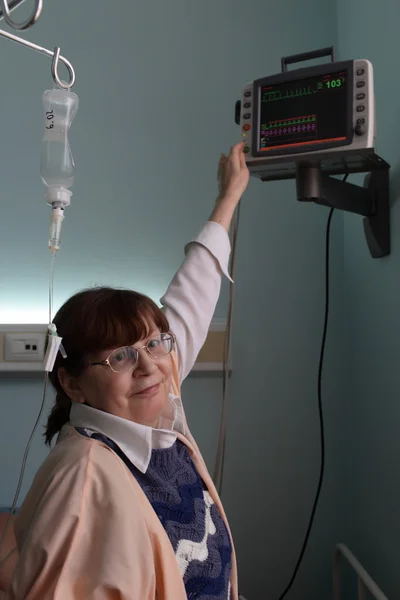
(195, 528)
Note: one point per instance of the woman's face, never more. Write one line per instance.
(138, 395)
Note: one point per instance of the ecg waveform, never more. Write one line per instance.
(271, 95)
(296, 129)
(326, 83)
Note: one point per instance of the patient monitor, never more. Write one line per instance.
(315, 122)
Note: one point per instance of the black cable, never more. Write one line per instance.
(320, 409)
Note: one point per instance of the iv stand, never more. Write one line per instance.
(5, 9)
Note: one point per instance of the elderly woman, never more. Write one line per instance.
(124, 507)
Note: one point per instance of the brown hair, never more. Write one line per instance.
(91, 321)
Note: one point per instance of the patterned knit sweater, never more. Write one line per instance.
(191, 520)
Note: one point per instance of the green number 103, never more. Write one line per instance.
(334, 83)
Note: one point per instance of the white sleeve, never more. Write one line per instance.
(193, 293)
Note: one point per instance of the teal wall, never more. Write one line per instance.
(157, 83)
(369, 29)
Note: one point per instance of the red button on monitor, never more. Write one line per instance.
(246, 127)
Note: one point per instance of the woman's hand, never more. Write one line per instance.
(233, 174)
(233, 177)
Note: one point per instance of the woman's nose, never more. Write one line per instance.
(145, 362)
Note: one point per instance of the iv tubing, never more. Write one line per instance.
(46, 379)
(21, 476)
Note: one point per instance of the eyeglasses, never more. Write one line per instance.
(126, 358)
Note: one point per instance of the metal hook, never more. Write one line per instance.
(6, 14)
(56, 59)
(54, 70)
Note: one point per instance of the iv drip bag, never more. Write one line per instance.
(57, 164)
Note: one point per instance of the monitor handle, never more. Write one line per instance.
(295, 58)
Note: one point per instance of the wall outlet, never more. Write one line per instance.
(24, 347)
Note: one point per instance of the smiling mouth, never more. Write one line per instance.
(150, 391)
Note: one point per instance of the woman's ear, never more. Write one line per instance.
(70, 385)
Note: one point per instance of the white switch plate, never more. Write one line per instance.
(24, 347)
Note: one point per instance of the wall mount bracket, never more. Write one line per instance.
(370, 201)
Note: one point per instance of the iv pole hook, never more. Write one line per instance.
(6, 13)
(5, 10)
(56, 59)
(54, 70)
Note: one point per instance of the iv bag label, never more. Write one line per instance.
(53, 128)
(50, 119)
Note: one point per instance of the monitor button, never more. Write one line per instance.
(360, 129)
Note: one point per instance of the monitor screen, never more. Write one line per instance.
(304, 112)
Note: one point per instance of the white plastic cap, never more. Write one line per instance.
(53, 346)
(58, 195)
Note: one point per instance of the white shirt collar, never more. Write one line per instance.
(136, 441)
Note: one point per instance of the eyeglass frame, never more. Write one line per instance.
(106, 361)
